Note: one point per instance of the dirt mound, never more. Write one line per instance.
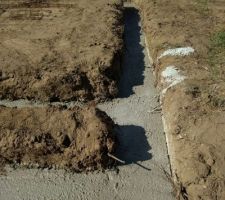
(197, 131)
(76, 139)
(192, 89)
(60, 50)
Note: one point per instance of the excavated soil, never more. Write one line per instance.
(193, 103)
(142, 144)
(70, 50)
(60, 50)
(55, 137)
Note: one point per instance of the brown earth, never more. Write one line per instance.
(195, 109)
(75, 139)
(58, 50)
(53, 50)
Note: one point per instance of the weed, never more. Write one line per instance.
(179, 191)
(216, 55)
(202, 6)
(218, 39)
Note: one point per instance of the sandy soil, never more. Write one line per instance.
(192, 85)
(60, 50)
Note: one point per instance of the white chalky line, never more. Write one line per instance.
(148, 51)
(22, 103)
(171, 77)
(183, 51)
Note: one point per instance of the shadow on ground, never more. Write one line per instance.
(133, 145)
(133, 61)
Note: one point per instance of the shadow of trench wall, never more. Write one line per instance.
(133, 60)
(133, 145)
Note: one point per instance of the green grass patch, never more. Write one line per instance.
(218, 40)
(217, 55)
(202, 6)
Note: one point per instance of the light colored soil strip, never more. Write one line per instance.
(171, 76)
(25, 103)
(183, 51)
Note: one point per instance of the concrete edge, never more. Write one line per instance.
(169, 141)
(168, 136)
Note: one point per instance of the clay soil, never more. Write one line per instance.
(60, 50)
(194, 110)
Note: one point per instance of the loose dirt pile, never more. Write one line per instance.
(193, 96)
(60, 50)
(56, 137)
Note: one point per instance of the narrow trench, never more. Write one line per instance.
(137, 127)
(142, 143)
(133, 62)
(136, 98)
(133, 146)
(141, 139)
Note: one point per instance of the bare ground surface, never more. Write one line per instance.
(192, 89)
(60, 50)
(141, 138)
(41, 64)
(55, 51)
